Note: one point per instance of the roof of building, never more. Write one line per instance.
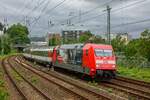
(74, 28)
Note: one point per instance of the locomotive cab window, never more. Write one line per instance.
(101, 52)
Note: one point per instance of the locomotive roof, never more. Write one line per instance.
(41, 49)
(98, 46)
(72, 46)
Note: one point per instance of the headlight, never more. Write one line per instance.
(111, 62)
(99, 61)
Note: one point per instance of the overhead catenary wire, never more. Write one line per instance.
(89, 11)
(118, 9)
(36, 20)
(39, 4)
(131, 23)
(114, 10)
(45, 7)
(25, 6)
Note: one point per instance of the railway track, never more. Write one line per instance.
(132, 92)
(133, 81)
(22, 95)
(138, 89)
(102, 96)
(34, 87)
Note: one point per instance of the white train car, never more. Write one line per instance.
(38, 54)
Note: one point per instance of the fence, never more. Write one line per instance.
(132, 61)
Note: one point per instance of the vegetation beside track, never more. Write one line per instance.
(4, 95)
(135, 73)
(10, 54)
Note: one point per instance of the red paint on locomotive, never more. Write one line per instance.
(97, 59)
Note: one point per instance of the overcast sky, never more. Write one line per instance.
(84, 14)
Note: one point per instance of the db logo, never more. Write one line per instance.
(105, 62)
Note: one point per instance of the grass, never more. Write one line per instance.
(34, 80)
(110, 90)
(4, 95)
(17, 77)
(93, 83)
(10, 54)
(135, 73)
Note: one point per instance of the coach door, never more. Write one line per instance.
(78, 57)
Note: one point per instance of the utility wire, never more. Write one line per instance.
(115, 10)
(86, 12)
(130, 23)
(26, 6)
(36, 20)
(34, 9)
(42, 11)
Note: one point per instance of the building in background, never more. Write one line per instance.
(38, 41)
(72, 34)
(124, 36)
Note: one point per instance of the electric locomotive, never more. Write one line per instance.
(95, 60)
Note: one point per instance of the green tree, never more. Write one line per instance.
(18, 34)
(85, 37)
(53, 41)
(1, 26)
(132, 48)
(118, 44)
(5, 44)
(97, 40)
(139, 47)
(144, 44)
(145, 34)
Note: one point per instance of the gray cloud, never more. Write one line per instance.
(15, 10)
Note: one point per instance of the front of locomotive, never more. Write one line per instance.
(105, 61)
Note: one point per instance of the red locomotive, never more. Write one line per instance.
(95, 60)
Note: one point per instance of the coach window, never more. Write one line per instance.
(61, 52)
(57, 52)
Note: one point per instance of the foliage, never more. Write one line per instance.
(139, 47)
(4, 95)
(118, 44)
(144, 44)
(1, 26)
(97, 40)
(131, 48)
(133, 61)
(34, 80)
(18, 34)
(70, 41)
(12, 53)
(54, 41)
(5, 44)
(85, 37)
(135, 72)
(93, 83)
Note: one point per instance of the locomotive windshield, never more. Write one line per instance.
(100, 52)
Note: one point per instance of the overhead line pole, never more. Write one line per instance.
(108, 25)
